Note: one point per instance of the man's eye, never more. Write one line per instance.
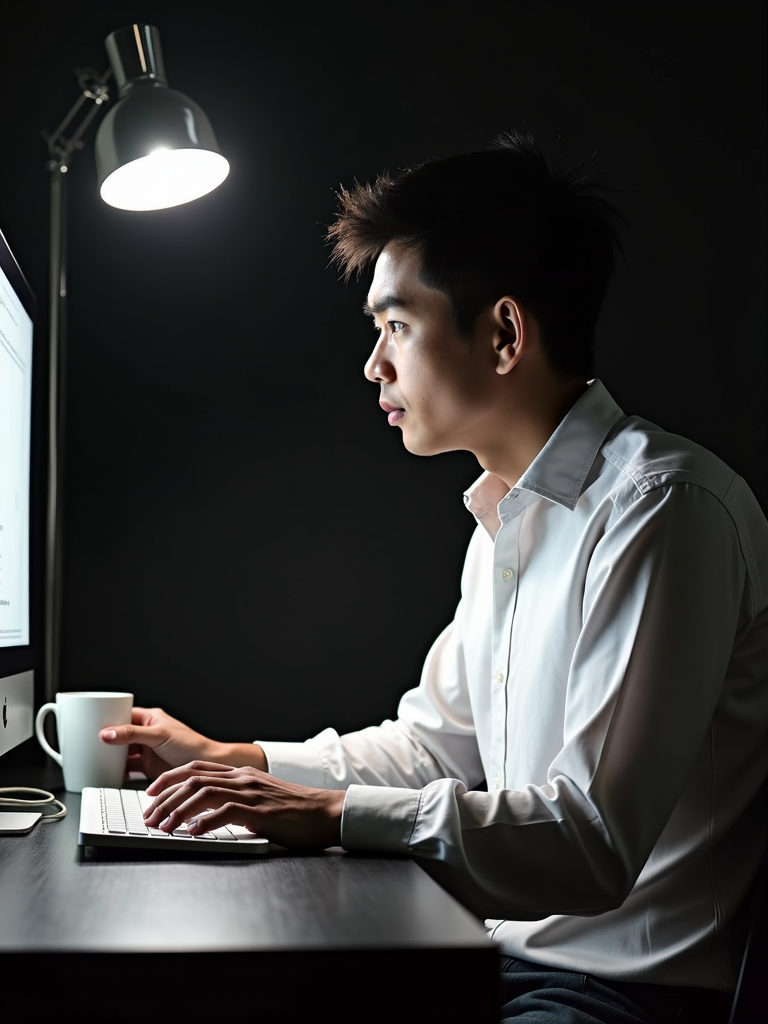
(394, 325)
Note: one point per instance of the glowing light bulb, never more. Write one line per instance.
(164, 178)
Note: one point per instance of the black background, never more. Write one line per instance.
(246, 542)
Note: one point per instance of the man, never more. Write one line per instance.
(582, 760)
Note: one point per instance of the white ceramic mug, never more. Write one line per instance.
(85, 759)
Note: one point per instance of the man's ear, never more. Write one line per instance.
(509, 336)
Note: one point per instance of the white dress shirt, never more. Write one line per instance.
(607, 674)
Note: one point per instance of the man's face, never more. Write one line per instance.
(434, 385)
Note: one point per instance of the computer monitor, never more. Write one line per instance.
(20, 498)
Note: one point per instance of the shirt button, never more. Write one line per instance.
(507, 574)
(497, 783)
(499, 677)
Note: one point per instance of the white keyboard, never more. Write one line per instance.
(114, 817)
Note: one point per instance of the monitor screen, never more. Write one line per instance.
(20, 514)
(15, 454)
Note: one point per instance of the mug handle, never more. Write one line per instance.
(39, 732)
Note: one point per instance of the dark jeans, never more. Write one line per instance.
(546, 995)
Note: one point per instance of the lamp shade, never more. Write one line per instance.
(155, 148)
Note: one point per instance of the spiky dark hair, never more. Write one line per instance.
(501, 221)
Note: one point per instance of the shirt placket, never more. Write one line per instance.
(506, 565)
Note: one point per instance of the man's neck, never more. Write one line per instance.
(530, 424)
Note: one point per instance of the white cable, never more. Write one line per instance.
(44, 797)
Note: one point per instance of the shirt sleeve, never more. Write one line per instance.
(666, 598)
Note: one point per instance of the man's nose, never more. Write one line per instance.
(379, 369)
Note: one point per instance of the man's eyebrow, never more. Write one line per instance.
(387, 302)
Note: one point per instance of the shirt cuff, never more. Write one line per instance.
(295, 762)
(379, 819)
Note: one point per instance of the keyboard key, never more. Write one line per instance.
(225, 834)
(241, 832)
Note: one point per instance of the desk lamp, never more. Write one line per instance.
(154, 149)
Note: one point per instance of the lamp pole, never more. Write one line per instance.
(60, 149)
(154, 149)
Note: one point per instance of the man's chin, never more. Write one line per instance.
(422, 446)
(414, 447)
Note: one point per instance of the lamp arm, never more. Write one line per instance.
(60, 149)
(92, 87)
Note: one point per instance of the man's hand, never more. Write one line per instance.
(158, 743)
(288, 814)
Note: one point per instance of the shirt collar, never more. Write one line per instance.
(559, 470)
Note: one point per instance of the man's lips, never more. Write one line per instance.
(394, 412)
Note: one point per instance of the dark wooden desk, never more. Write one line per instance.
(288, 937)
